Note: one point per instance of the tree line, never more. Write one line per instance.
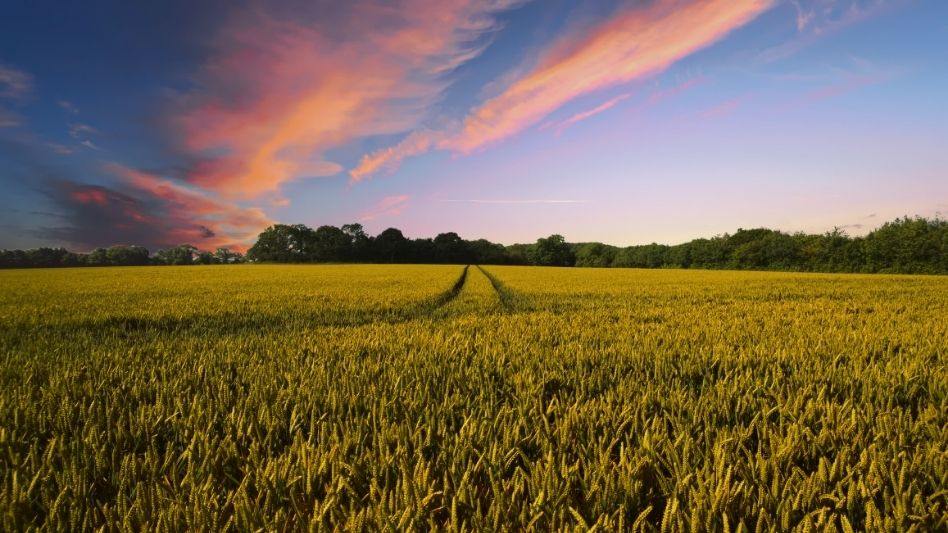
(119, 255)
(905, 245)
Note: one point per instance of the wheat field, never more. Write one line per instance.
(400, 397)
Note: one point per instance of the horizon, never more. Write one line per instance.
(843, 231)
(619, 122)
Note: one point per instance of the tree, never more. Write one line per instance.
(595, 254)
(518, 254)
(768, 249)
(282, 243)
(359, 242)
(331, 244)
(183, 254)
(908, 245)
(552, 251)
(49, 257)
(98, 257)
(485, 252)
(390, 246)
(226, 255)
(451, 248)
(421, 251)
(127, 255)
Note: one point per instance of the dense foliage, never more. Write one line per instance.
(907, 245)
(119, 255)
(393, 397)
(328, 244)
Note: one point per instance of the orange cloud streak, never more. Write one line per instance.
(605, 106)
(635, 43)
(632, 45)
(279, 94)
(388, 159)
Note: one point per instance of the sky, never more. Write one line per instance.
(625, 122)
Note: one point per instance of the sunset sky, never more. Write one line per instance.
(626, 122)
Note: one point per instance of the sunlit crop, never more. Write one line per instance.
(421, 397)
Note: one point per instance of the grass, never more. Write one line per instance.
(420, 397)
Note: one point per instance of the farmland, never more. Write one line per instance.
(415, 397)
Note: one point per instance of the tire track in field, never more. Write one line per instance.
(506, 296)
(234, 323)
(445, 298)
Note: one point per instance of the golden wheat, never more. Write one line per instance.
(421, 397)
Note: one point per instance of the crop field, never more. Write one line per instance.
(401, 397)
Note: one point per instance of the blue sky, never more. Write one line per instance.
(621, 122)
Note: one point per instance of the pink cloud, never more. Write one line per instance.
(609, 104)
(635, 43)
(100, 216)
(388, 159)
(90, 196)
(388, 206)
(278, 93)
(189, 215)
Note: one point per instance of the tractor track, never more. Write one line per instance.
(445, 298)
(506, 297)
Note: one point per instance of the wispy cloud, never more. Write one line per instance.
(818, 18)
(14, 84)
(68, 107)
(279, 92)
(722, 109)
(79, 131)
(8, 119)
(804, 15)
(605, 106)
(388, 206)
(517, 201)
(661, 95)
(388, 159)
(846, 85)
(60, 149)
(842, 82)
(851, 226)
(635, 43)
